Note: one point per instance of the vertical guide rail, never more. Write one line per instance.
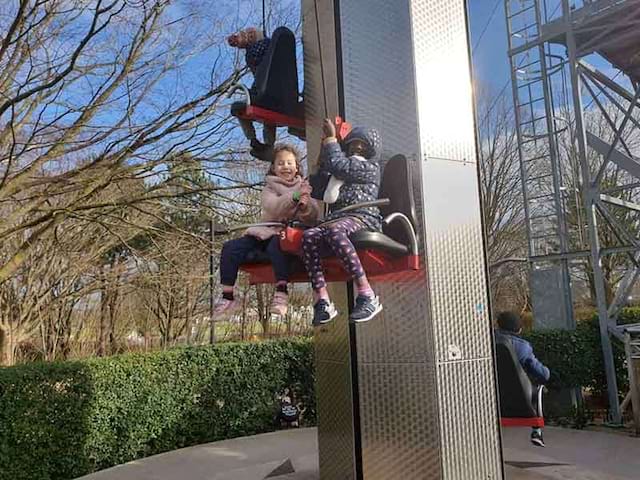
(514, 88)
(590, 197)
(538, 151)
(632, 351)
(212, 271)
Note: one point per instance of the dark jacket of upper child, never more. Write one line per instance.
(361, 176)
(509, 332)
(255, 44)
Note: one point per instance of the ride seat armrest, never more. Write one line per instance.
(404, 220)
(243, 89)
(537, 400)
(244, 226)
(374, 203)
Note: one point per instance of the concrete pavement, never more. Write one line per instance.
(292, 455)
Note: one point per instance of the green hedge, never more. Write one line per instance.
(62, 420)
(59, 421)
(575, 357)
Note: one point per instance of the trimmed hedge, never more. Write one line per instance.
(575, 356)
(62, 420)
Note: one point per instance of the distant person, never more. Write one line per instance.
(508, 331)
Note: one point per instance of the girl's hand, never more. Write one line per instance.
(305, 188)
(304, 200)
(328, 128)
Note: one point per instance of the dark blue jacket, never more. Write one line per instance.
(362, 183)
(534, 367)
(255, 53)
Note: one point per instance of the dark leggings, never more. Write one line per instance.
(235, 252)
(336, 236)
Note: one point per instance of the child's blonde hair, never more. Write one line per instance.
(285, 147)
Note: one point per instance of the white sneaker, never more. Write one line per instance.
(226, 308)
(279, 304)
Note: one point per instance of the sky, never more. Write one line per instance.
(489, 42)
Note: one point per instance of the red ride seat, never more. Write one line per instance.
(393, 251)
(520, 400)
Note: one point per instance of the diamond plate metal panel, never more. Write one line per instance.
(334, 394)
(455, 257)
(456, 260)
(400, 333)
(320, 78)
(396, 369)
(443, 79)
(335, 419)
(466, 395)
(378, 71)
(397, 424)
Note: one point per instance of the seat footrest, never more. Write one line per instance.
(377, 266)
(522, 422)
(269, 117)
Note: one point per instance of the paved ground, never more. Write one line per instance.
(292, 455)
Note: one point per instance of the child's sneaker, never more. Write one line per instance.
(323, 312)
(536, 437)
(366, 308)
(225, 308)
(279, 304)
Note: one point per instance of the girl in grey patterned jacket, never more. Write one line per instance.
(358, 175)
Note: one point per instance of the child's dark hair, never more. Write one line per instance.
(285, 147)
(509, 321)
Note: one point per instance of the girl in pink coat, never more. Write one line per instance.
(285, 196)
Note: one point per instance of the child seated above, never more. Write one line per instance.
(255, 44)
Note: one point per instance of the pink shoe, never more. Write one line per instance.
(226, 308)
(279, 304)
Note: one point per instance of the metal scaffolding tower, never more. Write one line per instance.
(580, 183)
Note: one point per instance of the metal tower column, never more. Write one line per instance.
(412, 393)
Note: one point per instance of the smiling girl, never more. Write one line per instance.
(286, 196)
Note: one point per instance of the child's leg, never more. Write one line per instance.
(269, 134)
(234, 253)
(280, 262)
(338, 239)
(323, 310)
(311, 241)
(367, 304)
(247, 128)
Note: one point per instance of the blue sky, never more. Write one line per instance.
(490, 60)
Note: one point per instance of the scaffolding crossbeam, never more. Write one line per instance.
(623, 161)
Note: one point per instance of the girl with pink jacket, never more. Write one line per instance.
(286, 196)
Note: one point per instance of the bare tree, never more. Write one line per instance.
(613, 266)
(502, 204)
(84, 107)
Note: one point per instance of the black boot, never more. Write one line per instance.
(261, 151)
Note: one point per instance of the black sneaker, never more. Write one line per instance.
(323, 312)
(261, 151)
(536, 437)
(366, 308)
